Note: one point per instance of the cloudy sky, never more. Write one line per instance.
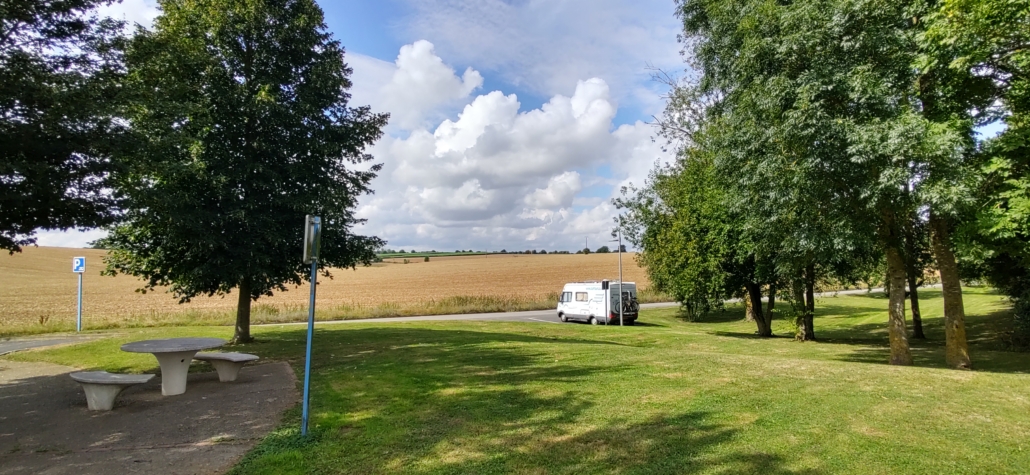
(513, 122)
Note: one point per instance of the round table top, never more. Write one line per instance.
(172, 345)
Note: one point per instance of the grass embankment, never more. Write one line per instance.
(37, 291)
(665, 397)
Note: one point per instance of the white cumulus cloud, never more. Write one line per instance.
(545, 46)
(497, 176)
(559, 192)
(416, 88)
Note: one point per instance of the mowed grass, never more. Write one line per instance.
(38, 291)
(665, 397)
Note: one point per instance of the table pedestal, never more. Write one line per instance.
(174, 367)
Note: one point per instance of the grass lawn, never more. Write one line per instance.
(665, 397)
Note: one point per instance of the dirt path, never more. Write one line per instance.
(46, 428)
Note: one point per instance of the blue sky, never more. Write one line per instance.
(513, 122)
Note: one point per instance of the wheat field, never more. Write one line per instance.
(38, 290)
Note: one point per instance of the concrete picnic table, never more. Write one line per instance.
(174, 355)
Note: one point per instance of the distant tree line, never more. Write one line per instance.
(834, 140)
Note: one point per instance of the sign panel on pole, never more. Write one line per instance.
(312, 237)
(78, 265)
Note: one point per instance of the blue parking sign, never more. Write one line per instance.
(79, 264)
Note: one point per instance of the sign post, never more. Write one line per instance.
(79, 267)
(621, 303)
(620, 267)
(312, 238)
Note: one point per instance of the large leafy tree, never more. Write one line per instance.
(60, 69)
(988, 41)
(833, 138)
(241, 111)
(692, 242)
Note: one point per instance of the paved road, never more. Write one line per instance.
(10, 346)
(538, 316)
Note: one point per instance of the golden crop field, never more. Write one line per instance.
(38, 290)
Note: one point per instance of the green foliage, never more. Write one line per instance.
(680, 222)
(60, 72)
(990, 40)
(243, 127)
(603, 250)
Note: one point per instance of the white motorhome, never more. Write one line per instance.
(598, 302)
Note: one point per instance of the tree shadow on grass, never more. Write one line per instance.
(407, 400)
(869, 343)
(988, 334)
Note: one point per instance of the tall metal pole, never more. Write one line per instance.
(621, 304)
(311, 333)
(78, 319)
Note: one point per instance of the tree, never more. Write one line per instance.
(690, 242)
(59, 75)
(980, 49)
(603, 250)
(826, 128)
(242, 115)
(917, 259)
(586, 250)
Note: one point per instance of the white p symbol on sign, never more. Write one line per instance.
(79, 264)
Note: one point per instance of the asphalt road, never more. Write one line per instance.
(10, 346)
(540, 316)
(537, 316)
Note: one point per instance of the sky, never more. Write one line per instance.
(513, 122)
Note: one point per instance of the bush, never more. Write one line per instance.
(426, 259)
(603, 250)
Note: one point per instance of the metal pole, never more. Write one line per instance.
(78, 319)
(307, 357)
(621, 303)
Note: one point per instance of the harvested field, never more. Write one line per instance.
(37, 290)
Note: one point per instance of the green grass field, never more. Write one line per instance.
(664, 397)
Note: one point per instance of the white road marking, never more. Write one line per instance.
(539, 320)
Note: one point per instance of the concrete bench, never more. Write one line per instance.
(102, 387)
(227, 364)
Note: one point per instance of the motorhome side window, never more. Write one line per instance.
(566, 297)
(582, 297)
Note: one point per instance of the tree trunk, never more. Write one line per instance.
(917, 318)
(956, 348)
(900, 353)
(242, 334)
(806, 325)
(772, 302)
(749, 311)
(754, 293)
